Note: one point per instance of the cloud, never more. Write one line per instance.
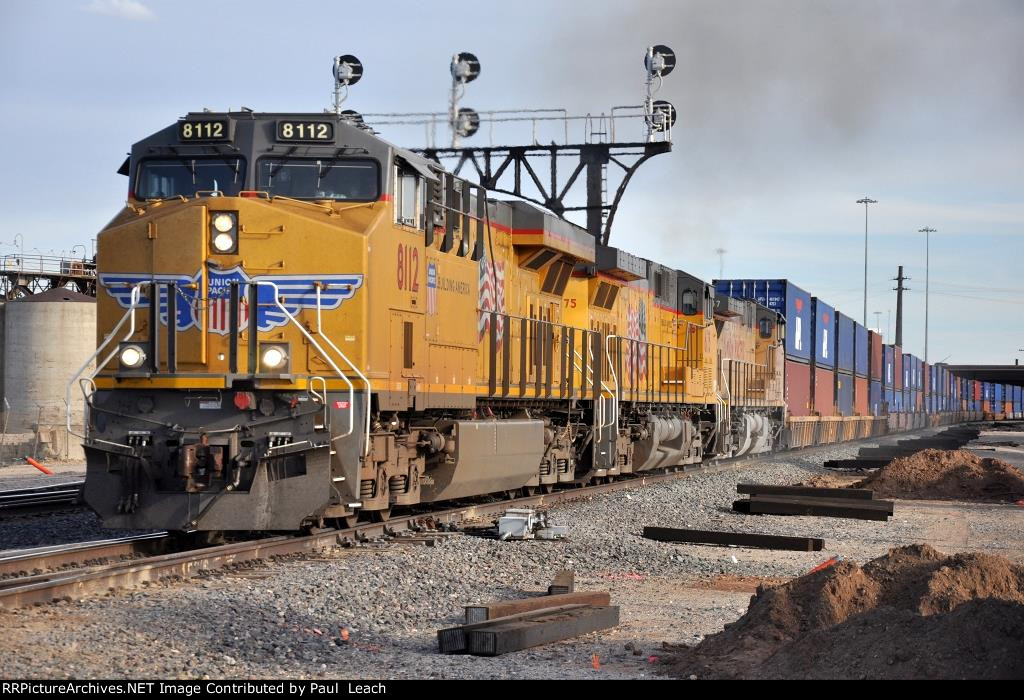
(125, 9)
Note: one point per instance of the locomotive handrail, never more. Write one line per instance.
(136, 294)
(366, 382)
(351, 416)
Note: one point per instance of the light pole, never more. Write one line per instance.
(866, 201)
(927, 231)
(878, 320)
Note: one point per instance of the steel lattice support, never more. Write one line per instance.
(502, 169)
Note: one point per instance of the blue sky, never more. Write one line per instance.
(789, 111)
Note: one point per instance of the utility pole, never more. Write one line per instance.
(721, 262)
(899, 289)
(866, 201)
(926, 231)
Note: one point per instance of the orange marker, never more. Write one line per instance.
(595, 661)
(824, 565)
(39, 466)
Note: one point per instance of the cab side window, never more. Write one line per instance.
(409, 198)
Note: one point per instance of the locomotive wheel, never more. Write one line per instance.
(547, 488)
(529, 490)
(379, 516)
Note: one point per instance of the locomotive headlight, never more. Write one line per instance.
(132, 356)
(225, 231)
(273, 356)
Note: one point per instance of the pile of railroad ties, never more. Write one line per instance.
(503, 626)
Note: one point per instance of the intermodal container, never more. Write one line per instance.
(897, 367)
(988, 391)
(890, 400)
(876, 363)
(862, 351)
(861, 398)
(798, 388)
(823, 335)
(976, 389)
(782, 296)
(998, 394)
(844, 393)
(875, 401)
(908, 371)
(823, 393)
(846, 341)
(918, 400)
(889, 366)
(928, 378)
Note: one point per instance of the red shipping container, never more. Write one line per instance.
(860, 397)
(897, 368)
(975, 390)
(875, 346)
(986, 406)
(926, 380)
(1008, 407)
(798, 388)
(824, 393)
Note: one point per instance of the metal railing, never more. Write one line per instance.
(51, 265)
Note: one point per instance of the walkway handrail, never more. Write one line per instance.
(136, 294)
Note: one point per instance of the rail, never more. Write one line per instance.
(51, 265)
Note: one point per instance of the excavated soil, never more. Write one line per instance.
(956, 475)
(913, 613)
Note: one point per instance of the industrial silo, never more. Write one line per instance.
(47, 338)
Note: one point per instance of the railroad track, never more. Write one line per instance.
(41, 583)
(41, 499)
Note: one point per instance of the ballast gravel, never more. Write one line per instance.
(373, 613)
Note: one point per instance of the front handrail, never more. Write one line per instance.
(135, 296)
(366, 382)
(312, 341)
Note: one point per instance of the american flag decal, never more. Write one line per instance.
(636, 348)
(220, 310)
(432, 288)
(491, 297)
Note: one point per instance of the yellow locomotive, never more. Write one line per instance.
(301, 323)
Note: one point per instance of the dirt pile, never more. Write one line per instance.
(947, 475)
(804, 628)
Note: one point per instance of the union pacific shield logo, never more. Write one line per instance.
(295, 293)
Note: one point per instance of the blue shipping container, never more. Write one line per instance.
(999, 396)
(781, 296)
(887, 362)
(845, 338)
(875, 399)
(908, 370)
(860, 348)
(823, 334)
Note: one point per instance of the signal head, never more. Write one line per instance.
(663, 115)
(465, 67)
(467, 122)
(659, 60)
(347, 70)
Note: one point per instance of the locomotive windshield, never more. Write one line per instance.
(160, 178)
(320, 178)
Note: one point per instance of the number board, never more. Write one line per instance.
(305, 131)
(204, 130)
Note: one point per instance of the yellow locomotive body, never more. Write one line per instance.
(300, 322)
